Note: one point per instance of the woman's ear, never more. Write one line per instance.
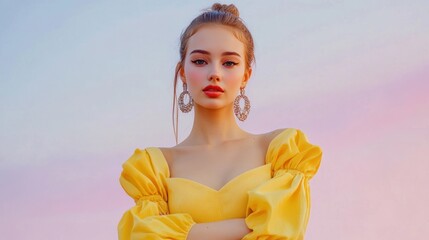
(246, 76)
(181, 72)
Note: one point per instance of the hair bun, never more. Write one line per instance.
(231, 8)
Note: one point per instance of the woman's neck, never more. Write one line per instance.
(213, 127)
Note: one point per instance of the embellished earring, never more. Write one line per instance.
(185, 107)
(241, 113)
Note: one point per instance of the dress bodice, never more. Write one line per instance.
(273, 198)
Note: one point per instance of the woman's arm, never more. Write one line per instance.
(280, 207)
(231, 229)
(142, 179)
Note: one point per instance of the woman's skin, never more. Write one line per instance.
(214, 121)
(231, 229)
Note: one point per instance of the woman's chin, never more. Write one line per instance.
(212, 104)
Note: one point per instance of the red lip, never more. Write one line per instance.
(213, 88)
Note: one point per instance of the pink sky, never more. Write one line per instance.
(79, 93)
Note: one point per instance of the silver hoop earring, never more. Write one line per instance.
(241, 113)
(185, 107)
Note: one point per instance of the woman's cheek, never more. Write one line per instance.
(195, 77)
(235, 79)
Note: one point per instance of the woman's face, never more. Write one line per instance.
(214, 57)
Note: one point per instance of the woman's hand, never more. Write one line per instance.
(231, 229)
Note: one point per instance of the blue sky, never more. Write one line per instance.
(84, 83)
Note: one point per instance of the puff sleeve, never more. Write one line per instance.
(143, 179)
(280, 207)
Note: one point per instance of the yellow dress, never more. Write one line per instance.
(274, 198)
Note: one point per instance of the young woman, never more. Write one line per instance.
(221, 182)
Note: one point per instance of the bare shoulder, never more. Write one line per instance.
(167, 153)
(263, 140)
(269, 136)
(170, 153)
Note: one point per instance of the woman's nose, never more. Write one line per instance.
(214, 74)
(214, 77)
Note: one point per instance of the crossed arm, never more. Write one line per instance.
(279, 207)
(231, 229)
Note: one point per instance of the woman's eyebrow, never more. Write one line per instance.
(207, 53)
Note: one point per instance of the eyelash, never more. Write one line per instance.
(198, 60)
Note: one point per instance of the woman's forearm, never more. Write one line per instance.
(231, 229)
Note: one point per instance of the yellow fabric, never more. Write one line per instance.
(143, 178)
(273, 198)
(186, 196)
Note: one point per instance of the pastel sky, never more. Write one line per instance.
(84, 83)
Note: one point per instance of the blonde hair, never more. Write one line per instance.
(222, 14)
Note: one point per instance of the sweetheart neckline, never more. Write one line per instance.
(226, 185)
(161, 154)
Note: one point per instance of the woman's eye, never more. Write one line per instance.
(199, 61)
(230, 63)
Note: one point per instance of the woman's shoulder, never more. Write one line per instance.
(282, 137)
(268, 137)
(265, 140)
(284, 134)
(148, 160)
(291, 149)
(273, 133)
(166, 153)
(143, 174)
